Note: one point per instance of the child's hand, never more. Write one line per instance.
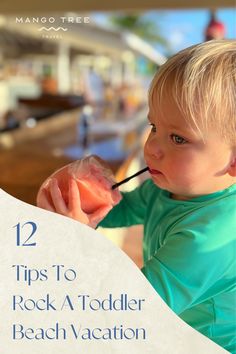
(52, 200)
(81, 190)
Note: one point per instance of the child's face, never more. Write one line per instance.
(180, 160)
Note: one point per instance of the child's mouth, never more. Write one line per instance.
(154, 172)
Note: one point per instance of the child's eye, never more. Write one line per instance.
(178, 140)
(154, 129)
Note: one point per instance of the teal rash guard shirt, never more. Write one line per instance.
(189, 252)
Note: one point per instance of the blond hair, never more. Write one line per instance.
(202, 81)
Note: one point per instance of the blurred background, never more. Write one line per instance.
(74, 79)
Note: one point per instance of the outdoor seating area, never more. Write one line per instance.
(67, 95)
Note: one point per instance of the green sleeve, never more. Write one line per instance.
(193, 265)
(131, 210)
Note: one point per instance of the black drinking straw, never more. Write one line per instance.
(128, 178)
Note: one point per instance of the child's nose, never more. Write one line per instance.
(153, 148)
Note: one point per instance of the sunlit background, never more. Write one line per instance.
(71, 89)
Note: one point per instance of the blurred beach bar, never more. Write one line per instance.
(50, 79)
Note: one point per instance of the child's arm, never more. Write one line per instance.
(131, 210)
(194, 264)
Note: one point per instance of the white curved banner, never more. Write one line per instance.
(66, 289)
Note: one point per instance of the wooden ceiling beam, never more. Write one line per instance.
(29, 6)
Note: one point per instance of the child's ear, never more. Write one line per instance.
(232, 168)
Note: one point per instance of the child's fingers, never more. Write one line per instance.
(42, 201)
(74, 204)
(98, 215)
(103, 211)
(58, 201)
(74, 195)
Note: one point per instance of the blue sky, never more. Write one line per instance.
(183, 28)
